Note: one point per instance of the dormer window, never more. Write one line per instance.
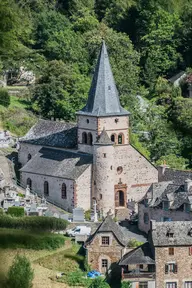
(170, 233)
(166, 205)
(187, 207)
(146, 202)
(190, 232)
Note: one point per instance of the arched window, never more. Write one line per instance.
(29, 182)
(120, 139)
(29, 157)
(84, 138)
(90, 139)
(46, 188)
(113, 138)
(64, 191)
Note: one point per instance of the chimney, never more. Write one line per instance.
(188, 185)
(162, 169)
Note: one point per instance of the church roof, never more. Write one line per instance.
(103, 99)
(108, 225)
(52, 133)
(104, 139)
(176, 176)
(58, 163)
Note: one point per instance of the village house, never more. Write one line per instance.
(163, 262)
(106, 246)
(73, 164)
(167, 200)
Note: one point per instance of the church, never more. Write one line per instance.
(72, 164)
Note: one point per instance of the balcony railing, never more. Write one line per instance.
(139, 275)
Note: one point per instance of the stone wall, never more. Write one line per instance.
(97, 252)
(89, 125)
(158, 214)
(184, 266)
(55, 185)
(26, 149)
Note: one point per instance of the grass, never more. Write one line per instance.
(19, 102)
(16, 88)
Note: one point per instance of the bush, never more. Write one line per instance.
(133, 243)
(20, 273)
(126, 284)
(76, 278)
(4, 97)
(88, 215)
(28, 240)
(16, 211)
(33, 222)
(99, 283)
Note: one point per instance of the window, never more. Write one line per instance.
(105, 240)
(113, 138)
(84, 138)
(89, 139)
(111, 167)
(171, 267)
(190, 251)
(109, 87)
(166, 205)
(141, 266)
(104, 263)
(119, 170)
(104, 155)
(171, 251)
(29, 182)
(146, 218)
(143, 285)
(166, 219)
(188, 284)
(46, 188)
(171, 285)
(187, 208)
(29, 157)
(120, 139)
(116, 120)
(100, 196)
(64, 191)
(87, 120)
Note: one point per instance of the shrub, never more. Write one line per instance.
(20, 273)
(28, 240)
(4, 97)
(1, 211)
(76, 278)
(88, 215)
(33, 222)
(99, 283)
(126, 284)
(16, 211)
(134, 243)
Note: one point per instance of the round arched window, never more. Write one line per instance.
(119, 170)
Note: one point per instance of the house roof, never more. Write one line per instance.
(176, 176)
(180, 229)
(108, 225)
(104, 139)
(177, 76)
(58, 163)
(52, 133)
(140, 255)
(103, 98)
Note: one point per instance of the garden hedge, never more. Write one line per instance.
(16, 211)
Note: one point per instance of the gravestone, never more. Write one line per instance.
(33, 208)
(78, 215)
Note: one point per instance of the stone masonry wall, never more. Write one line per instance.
(83, 190)
(26, 149)
(86, 124)
(158, 214)
(184, 266)
(97, 252)
(55, 185)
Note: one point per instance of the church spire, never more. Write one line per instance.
(103, 99)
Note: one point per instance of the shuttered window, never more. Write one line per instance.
(188, 284)
(171, 285)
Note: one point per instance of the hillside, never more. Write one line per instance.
(148, 43)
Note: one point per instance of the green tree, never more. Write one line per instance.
(20, 274)
(174, 161)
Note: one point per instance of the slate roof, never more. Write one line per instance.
(104, 139)
(58, 163)
(103, 98)
(180, 229)
(52, 133)
(177, 76)
(108, 225)
(167, 191)
(176, 176)
(140, 255)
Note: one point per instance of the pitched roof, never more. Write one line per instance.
(177, 76)
(108, 225)
(52, 133)
(58, 163)
(180, 230)
(176, 176)
(104, 139)
(103, 99)
(140, 255)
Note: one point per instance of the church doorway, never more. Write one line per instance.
(120, 198)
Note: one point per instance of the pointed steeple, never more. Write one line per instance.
(104, 139)
(103, 99)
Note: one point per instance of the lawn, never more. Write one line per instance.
(19, 102)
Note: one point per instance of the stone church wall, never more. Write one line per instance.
(83, 189)
(137, 172)
(55, 185)
(26, 149)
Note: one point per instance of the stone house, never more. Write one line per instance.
(165, 261)
(106, 246)
(73, 164)
(165, 201)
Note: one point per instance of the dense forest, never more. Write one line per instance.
(148, 42)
